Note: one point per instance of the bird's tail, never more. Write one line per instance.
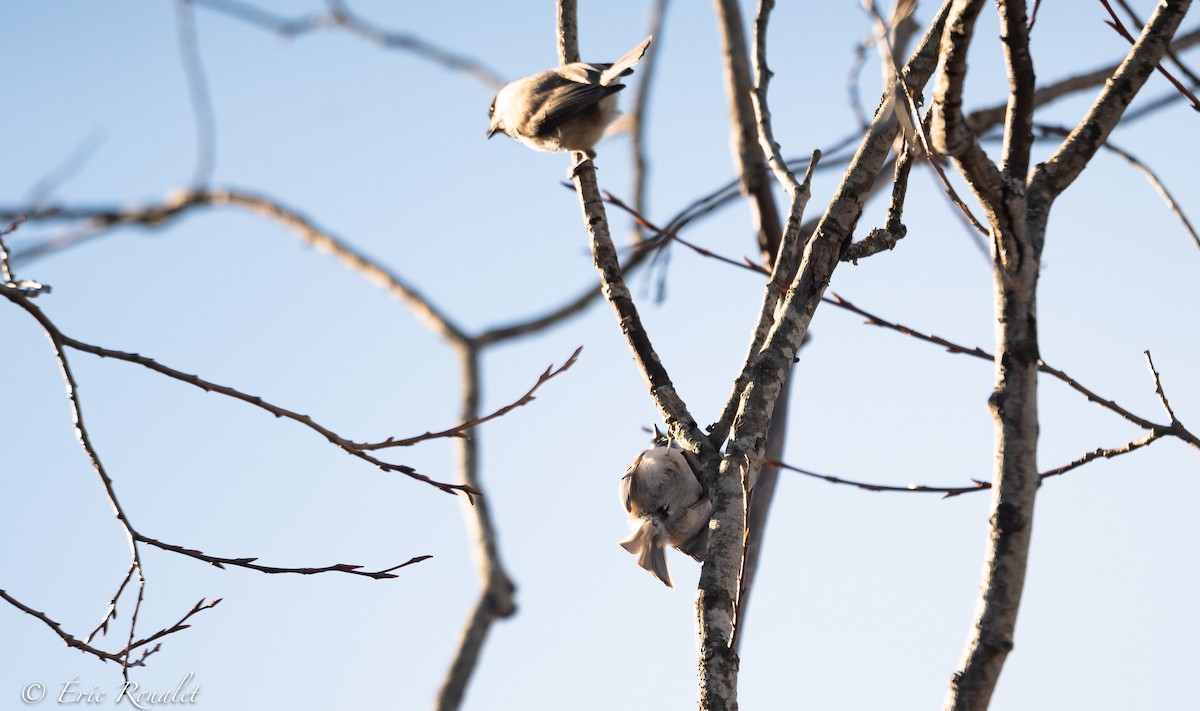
(648, 544)
(624, 65)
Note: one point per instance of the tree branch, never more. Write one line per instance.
(748, 152)
(1052, 177)
(979, 484)
(340, 18)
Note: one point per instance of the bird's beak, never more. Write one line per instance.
(492, 131)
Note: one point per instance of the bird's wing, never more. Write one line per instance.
(563, 104)
(629, 487)
(624, 65)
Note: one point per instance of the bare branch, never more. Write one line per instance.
(857, 62)
(908, 113)
(249, 563)
(475, 420)
(641, 102)
(1037, 5)
(1158, 389)
(982, 119)
(1171, 50)
(121, 656)
(951, 134)
(1018, 121)
(717, 598)
(5, 270)
(161, 214)
(58, 630)
(577, 304)
(111, 613)
(470, 644)
(64, 171)
(762, 113)
(496, 601)
(893, 231)
(1151, 176)
(1053, 176)
(202, 109)
(340, 18)
(179, 626)
(1042, 366)
(979, 484)
(749, 155)
(567, 23)
(61, 340)
(1119, 28)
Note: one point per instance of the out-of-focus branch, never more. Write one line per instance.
(5, 271)
(982, 119)
(54, 178)
(202, 109)
(537, 324)
(1151, 176)
(159, 215)
(748, 153)
(496, 601)
(339, 17)
(637, 117)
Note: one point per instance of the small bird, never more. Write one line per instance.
(562, 109)
(667, 504)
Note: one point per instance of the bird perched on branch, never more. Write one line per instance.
(667, 504)
(563, 109)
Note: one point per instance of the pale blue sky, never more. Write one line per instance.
(864, 600)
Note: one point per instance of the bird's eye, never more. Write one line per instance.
(491, 110)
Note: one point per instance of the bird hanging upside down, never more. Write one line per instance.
(668, 506)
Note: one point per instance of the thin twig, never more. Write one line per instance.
(1151, 176)
(978, 484)
(1119, 28)
(977, 352)
(111, 614)
(249, 563)
(1158, 389)
(910, 117)
(460, 429)
(1172, 54)
(61, 341)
